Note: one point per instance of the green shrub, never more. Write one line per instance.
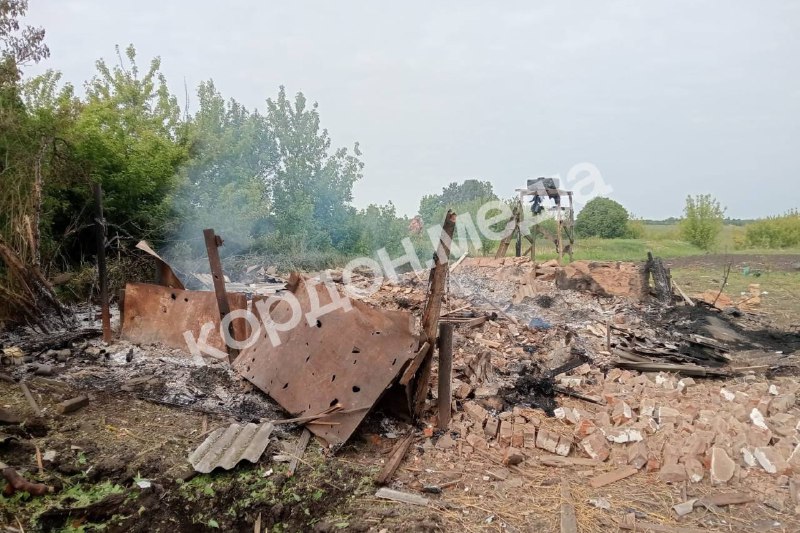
(774, 232)
(634, 229)
(602, 217)
(702, 221)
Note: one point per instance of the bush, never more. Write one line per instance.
(634, 229)
(702, 222)
(602, 217)
(774, 232)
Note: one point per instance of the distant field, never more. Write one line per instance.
(664, 241)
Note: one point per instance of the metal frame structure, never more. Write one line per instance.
(564, 216)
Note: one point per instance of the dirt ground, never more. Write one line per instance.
(106, 452)
(767, 262)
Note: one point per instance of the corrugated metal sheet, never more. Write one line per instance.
(226, 447)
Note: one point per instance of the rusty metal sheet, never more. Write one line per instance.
(347, 358)
(153, 313)
(226, 447)
(166, 276)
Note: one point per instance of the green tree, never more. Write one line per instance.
(225, 185)
(24, 138)
(432, 207)
(19, 45)
(702, 220)
(311, 188)
(464, 198)
(602, 217)
(129, 137)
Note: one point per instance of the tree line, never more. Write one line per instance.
(270, 182)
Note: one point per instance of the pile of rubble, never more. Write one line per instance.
(551, 365)
(676, 427)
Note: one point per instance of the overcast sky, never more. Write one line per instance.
(666, 98)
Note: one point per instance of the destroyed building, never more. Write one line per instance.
(481, 374)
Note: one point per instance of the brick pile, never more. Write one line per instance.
(677, 428)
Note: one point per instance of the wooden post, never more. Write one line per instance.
(213, 242)
(100, 230)
(571, 226)
(445, 373)
(559, 244)
(418, 388)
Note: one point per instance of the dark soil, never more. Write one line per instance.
(777, 262)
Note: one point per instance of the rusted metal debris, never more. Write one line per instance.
(226, 447)
(153, 313)
(213, 242)
(344, 358)
(166, 276)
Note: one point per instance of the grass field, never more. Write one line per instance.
(664, 241)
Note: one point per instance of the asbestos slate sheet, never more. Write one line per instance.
(226, 447)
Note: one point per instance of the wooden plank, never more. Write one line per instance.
(445, 396)
(305, 437)
(722, 499)
(569, 522)
(686, 298)
(28, 396)
(559, 461)
(477, 321)
(398, 454)
(213, 242)
(402, 497)
(455, 265)
(418, 390)
(612, 477)
(645, 527)
(414, 365)
(102, 273)
(69, 406)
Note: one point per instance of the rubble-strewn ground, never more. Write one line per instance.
(120, 463)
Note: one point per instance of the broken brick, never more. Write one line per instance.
(529, 432)
(668, 415)
(476, 441)
(770, 459)
(547, 440)
(722, 466)
(491, 428)
(782, 403)
(672, 473)
(622, 413)
(518, 436)
(477, 413)
(506, 433)
(595, 446)
(637, 454)
(584, 428)
(564, 445)
(512, 456)
(694, 469)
